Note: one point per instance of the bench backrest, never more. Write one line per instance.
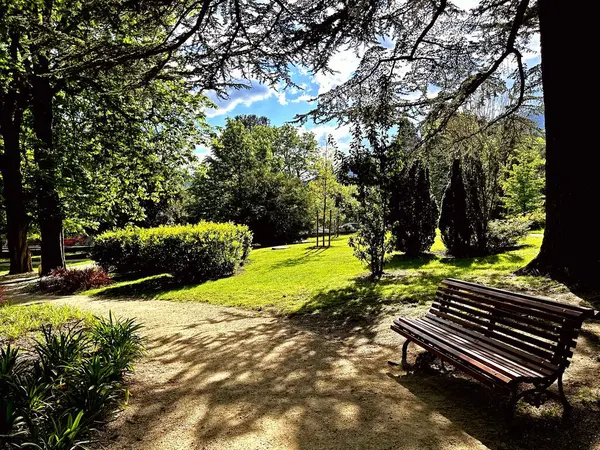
(545, 329)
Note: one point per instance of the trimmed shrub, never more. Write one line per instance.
(189, 252)
(69, 281)
(505, 234)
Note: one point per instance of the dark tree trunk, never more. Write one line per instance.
(49, 206)
(570, 250)
(16, 216)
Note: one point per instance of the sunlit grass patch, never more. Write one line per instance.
(18, 320)
(304, 279)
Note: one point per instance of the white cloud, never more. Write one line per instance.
(341, 134)
(302, 98)
(257, 92)
(280, 96)
(343, 63)
(534, 50)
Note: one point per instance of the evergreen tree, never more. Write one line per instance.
(454, 223)
(413, 211)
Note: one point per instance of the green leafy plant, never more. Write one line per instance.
(64, 434)
(190, 252)
(60, 349)
(118, 340)
(51, 401)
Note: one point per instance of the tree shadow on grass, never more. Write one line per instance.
(310, 254)
(147, 288)
(404, 262)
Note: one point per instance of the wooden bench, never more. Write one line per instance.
(501, 338)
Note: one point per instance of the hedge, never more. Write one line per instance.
(190, 252)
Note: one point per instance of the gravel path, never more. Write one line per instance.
(221, 378)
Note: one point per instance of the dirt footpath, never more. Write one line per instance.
(222, 378)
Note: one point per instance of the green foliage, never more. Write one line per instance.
(124, 159)
(373, 243)
(328, 194)
(505, 234)
(413, 211)
(190, 252)
(52, 400)
(59, 349)
(118, 341)
(525, 182)
(255, 177)
(454, 224)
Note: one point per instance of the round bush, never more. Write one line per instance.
(190, 252)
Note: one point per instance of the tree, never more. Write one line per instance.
(434, 60)
(524, 184)
(297, 152)
(243, 181)
(375, 158)
(327, 192)
(413, 211)
(455, 226)
(122, 156)
(54, 48)
(372, 244)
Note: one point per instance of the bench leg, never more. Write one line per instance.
(563, 398)
(404, 362)
(512, 402)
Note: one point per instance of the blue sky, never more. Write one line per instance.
(282, 105)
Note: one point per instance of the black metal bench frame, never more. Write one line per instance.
(501, 338)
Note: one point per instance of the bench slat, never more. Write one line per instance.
(554, 308)
(490, 304)
(585, 312)
(538, 365)
(498, 330)
(483, 361)
(462, 355)
(508, 365)
(531, 334)
(479, 375)
(483, 329)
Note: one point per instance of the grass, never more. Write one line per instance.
(305, 279)
(19, 320)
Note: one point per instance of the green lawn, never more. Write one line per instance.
(18, 320)
(307, 279)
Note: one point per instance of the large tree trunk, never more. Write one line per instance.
(570, 250)
(16, 216)
(49, 206)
